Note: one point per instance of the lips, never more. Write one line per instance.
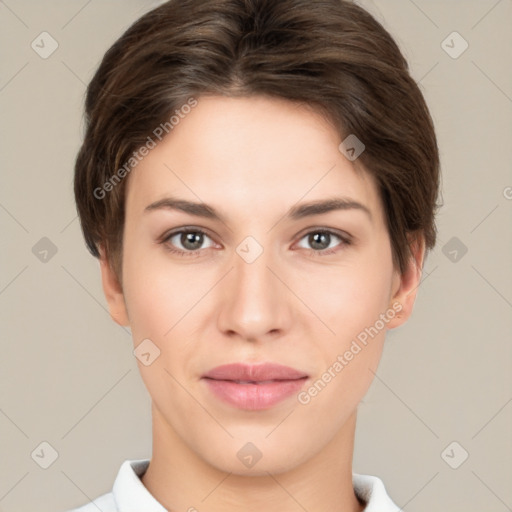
(254, 373)
(254, 387)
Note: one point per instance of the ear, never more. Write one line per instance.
(405, 285)
(113, 292)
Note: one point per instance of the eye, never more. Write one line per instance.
(321, 241)
(190, 242)
(187, 242)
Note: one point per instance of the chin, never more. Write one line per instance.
(255, 458)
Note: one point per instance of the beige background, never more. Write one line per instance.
(67, 373)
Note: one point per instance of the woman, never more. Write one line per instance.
(258, 180)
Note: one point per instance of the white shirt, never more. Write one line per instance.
(129, 494)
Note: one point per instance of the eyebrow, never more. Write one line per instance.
(295, 213)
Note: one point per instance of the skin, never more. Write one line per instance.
(252, 159)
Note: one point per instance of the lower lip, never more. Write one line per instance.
(254, 397)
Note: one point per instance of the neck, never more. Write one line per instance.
(180, 480)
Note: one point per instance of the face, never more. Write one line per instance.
(255, 273)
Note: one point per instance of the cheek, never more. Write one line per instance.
(346, 299)
(158, 293)
(163, 307)
(350, 303)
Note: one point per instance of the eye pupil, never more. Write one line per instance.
(321, 239)
(194, 239)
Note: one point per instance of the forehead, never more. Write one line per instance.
(249, 154)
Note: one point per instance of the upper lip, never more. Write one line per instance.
(254, 372)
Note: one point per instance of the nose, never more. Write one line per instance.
(256, 303)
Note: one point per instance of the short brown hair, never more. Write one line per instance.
(330, 54)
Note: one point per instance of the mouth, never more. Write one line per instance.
(254, 373)
(254, 387)
(259, 382)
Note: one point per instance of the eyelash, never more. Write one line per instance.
(344, 241)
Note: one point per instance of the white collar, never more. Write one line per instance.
(130, 495)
